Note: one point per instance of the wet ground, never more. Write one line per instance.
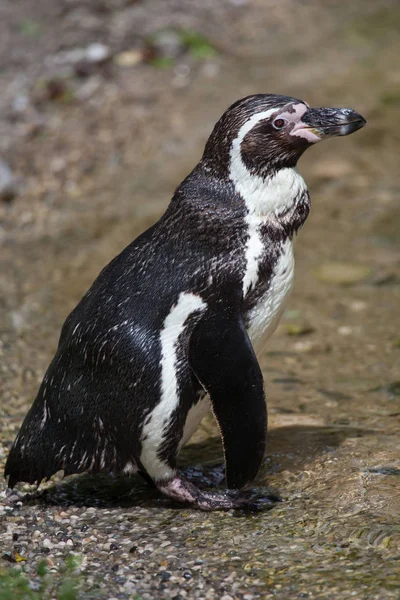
(97, 169)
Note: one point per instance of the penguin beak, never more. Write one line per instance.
(319, 123)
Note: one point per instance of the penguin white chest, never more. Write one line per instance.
(263, 318)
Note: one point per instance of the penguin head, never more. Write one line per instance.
(266, 132)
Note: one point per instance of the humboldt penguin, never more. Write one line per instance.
(172, 326)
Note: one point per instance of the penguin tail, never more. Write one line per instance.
(39, 452)
(28, 460)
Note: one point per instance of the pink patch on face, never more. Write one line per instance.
(295, 113)
(302, 130)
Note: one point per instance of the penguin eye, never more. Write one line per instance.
(279, 123)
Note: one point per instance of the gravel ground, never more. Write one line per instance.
(96, 139)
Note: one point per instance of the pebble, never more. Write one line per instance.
(97, 53)
(94, 53)
(8, 183)
(358, 305)
(345, 330)
(168, 44)
(341, 273)
(306, 346)
(129, 58)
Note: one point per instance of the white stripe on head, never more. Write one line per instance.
(246, 184)
(264, 197)
(154, 430)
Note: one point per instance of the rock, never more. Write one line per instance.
(129, 58)
(385, 279)
(20, 103)
(97, 53)
(358, 305)
(94, 53)
(8, 183)
(68, 57)
(345, 330)
(297, 330)
(340, 273)
(167, 43)
(394, 388)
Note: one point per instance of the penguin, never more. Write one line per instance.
(172, 326)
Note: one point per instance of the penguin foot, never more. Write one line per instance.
(184, 491)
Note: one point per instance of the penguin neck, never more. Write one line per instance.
(272, 196)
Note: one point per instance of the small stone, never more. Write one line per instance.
(358, 305)
(167, 43)
(129, 58)
(97, 53)
(306, 346)
(57, 164)
(20, 103)
(8, 183)
(394, 388)
(344, 330)
(8, 557)
(297, 330)
(342, 273)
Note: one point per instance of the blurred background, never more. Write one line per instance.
(105, 105)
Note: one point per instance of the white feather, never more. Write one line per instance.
(266, 199)
(154, 429)
(264, 317)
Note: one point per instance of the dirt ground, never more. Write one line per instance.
(96, 139)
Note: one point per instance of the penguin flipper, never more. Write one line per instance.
(224, 361)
